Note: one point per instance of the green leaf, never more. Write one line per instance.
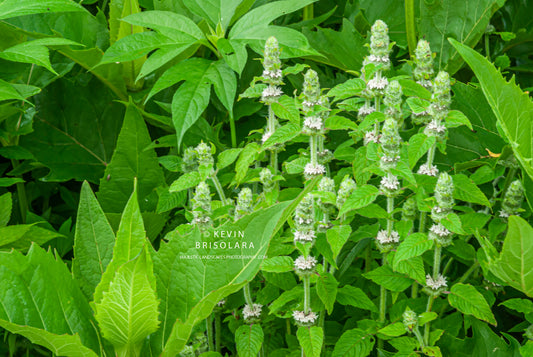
(131, 238)
(393, 330)
(469, 301)
(465, 21)
(515, 262)
(456, 118)
(8, 92)
(6, 205)
(278, 264)
(413, 267)
(215, 11)
(246, 158)
(521, 305)
(23, 235)
(93, 242)
(49, 312)
(326, 287)
(426, 317)
(513, 108)
(384, 276)
(15, 8)
(419, 145)
(354, 343)
(130, 160)
(234, 53)
(347, 89)
(128, 313)
(35, 52)
(311, 339)
(361, 197)
(414, 245)
(248, 340)
(137, 45)
(466, 190)
(337, 237)
(185, 181)
(350, 295)
(10, 181)
(227, 157)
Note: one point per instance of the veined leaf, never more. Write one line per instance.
(8, 92)
(93, 242)
(419, 145)
(468, 300)
(326, 287)
(215, 11)
(6, 205)
(361, 197)
(350, 295)
(185, 181)
(248, 340)
(23, 235)
(51, 312)
(512, 107)
(354, 343)
(414, 245)
(384, 276)
(311, 339)
(128, 311)
(14, 8)
(466, 190)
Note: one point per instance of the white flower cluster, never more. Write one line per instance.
(314, 123)
(436, 284)
(304, 237)
(378, 59)
(275, 74)
(435, 128)
(429, 171)
(370, 137)
(266, 136)
(384, 238)
(366, 110)
(439, 230)
(377, 83)
(253, 312)
(303, 318)
(271, 93)
(389, 183)
(314, 170)
(303, 263)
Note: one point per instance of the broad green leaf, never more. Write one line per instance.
(384, 276)
(22, 236)
(128, 311)
(413, 267)
(130, 160)
(10, 181)
(51, 312)
(326, 287)
(347, 89)
(234, 53)
(515, 263)
(456, 118)
(350, 295)
(93, 242)
(215, 11)
(15, 8)
(248, 340)
(466, 190)
(6, 205)
(35, 52)
(246, 158)
(337, 237)
(131, 238)
(354, 343)
(8, 92)
(521, 305)
(464, 21)
(414, 245)
(227, 157)
(185, 181)
(282, 135)
(426, 317)
(513, 108)
(419, 145)
(393, 330)
(278, 264)
(137, 45)
(361, 197)
(468, 300)
(311, 339)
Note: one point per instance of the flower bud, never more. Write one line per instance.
(267, 179)
(393, 100)
(201, 206)
(410, 320)
(188, 351)
(529, 332)
(409, 209)
(441, 97)
(512, 202)
(423, 71)
(444, 192)
(244, 203)
(436, 129)
(390, 144)
(346, 189)
(311, 90)
(379, 45)
(304, 215)
(205, 155)
(189, 161)
(271, 63)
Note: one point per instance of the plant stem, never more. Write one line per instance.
(209, 322)
(390, 220)
(426, 326)
(410, 25)
(436, 261)
(218, 331)
(307, 294)
(487, 45)
(416, 332)
(219, 189)
(414, 290)
(233, 132)
(21, 194)
(467, 273)
(308, 12)
(313, 149)
(248, 296)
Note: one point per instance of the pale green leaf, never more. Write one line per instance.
(466, 190)
(227, 157)
(278, 264)
(384, 276)
(15, 8)
(337, 237)
(350, 295)
(419, 145)
(248, 340)
(23, 235)
(469, 301)
(6, 205)
(414, 245)
(354, 343)
(326, 287)
(185, 181)
(311, 339)
(393, 330)
(361, 197)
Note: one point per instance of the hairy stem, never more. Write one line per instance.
(248, 296)
(390, 220)
(233, 131)
(410, 25)
(219, 189)
(313, 150)
(307, 294)
(209, 323)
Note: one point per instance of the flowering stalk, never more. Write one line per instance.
(512, 200)
(201, 207)
(346, 189)
(206, 165)
(325, 185)
(410, 321)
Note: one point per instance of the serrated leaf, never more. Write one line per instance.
(350, 295)
(248, 340)
(361, 197)
(413, 267)
(337, 237)
(521, 305)
(419, 145)
(22, 236)
(466, 190)
(311, 339)
(185, 181)
(246, 158)
(414, 245)
(384, 276)
(393, 330)
(468, 300)
(128, 311)
(15, 8)
(227, 157)
(354, 343)
(93, 242)
(278, 264)
(326, 287)
(347, 89)
(456, 118)
(6, 205)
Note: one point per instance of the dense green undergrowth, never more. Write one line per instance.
(266, 178)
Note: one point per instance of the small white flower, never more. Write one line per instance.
(384, 238)
(366, 110)
(429, 171)
(221, 303)
(272, 74)
(314, 170)
(271, 92)
(435, 128)
(425, 112)
(377, 83)
(314, 123)
(265, 136)
(440, 282)
(370, 137)
(378, 59)
(390, 182)
(303, 237)
(302, 263)
(440, 230)
(504, 214)
(303, 318)
(252, 312)
(308, 105)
